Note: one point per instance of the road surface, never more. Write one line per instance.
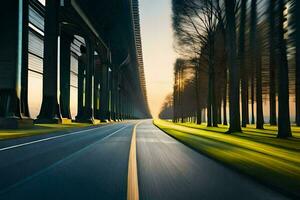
(92, 163)
(168, 169)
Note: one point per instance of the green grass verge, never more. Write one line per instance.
(39, 129)
(257, 153)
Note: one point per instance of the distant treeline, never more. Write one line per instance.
(237, 58)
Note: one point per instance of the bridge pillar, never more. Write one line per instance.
(109, 88)
(113, 94)
(89, 92)
(122, 101)
(104, 93)
(50, 111)
(24, 77)
(82, 62)
(97, 87)
(65, 76)
(126, 107)
(12, 58)
(118, 100)
(87, 113)
(117, 92)
(121, 104)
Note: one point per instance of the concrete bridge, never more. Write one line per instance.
(87, 49)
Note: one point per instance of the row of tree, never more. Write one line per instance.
(237, 54)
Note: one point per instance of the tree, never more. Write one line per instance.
(244, 77)
(297, 39)
(234, 71)
(197, 80)
(284, 127)
(272, 62)
(256, 64)
(166, 111)
(195, 25)
(177, 95)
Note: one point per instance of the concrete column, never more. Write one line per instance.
(104, 93)
(65, 76)
(127, 107)
(97, 87)
(82, 62)
(12, 57)
(89, 89)
(50, 111)
(124, 107)
(120, 96)
(116, 93)
(121, 111)
(113, 93)
(24, 76)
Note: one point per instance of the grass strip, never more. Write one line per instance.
(38, 129)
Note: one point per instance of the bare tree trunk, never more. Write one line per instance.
(272, 65)
(198, 112)
(259, 101)
(284, 127)
(256, 64)
(252, 97)
(199, 117)
(209, 100)
(220, 111)
(225, 99)
(214, 104)
(208, 113)
(213, 89)
(180, 94)
(175, 97)
(297, 12)
(244, 78)
(234, 71)
(175, 101)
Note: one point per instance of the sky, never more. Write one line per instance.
(159, 56)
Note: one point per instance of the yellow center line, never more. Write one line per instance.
(132, 182)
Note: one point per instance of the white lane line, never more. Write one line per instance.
(47, 139)
(114, 133)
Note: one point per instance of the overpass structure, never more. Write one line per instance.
(87, 49)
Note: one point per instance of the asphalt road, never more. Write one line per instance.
(83, 165)
(92, 163)
(167, 169)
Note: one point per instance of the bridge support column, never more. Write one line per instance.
(50, 111)
(65, 76)
(109, 89)
(97, 87)
(104, 94)
(89, 92)
(117, 97)
(121, 109)
(113, 94)
(87, 114)
(126, 107)
(12, 40)
(24, 77)
(81, 76)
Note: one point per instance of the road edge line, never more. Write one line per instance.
(132, 179)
